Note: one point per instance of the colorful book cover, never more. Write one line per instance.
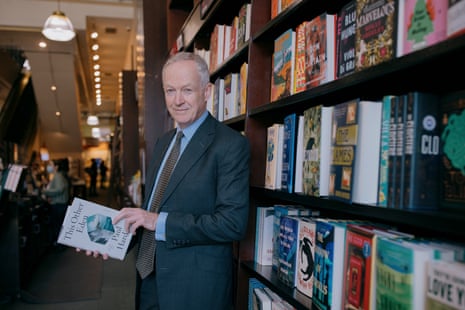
(275, 8)
(317, 141)
(287, 3)
(243, 88)
(343, 143)
(400, 274)
(445, 286)
(455, 20)
(358, 262)
(299, 67)
(306, 255)
(274, 156)
(452, 169)
(345, 39)
(289, 145)
(329, 264)
(320, 44)
(421, 158)
(422, 23)
(288, 248)
(383, 175)
(283, 66)
(241, 26)
(376, 32)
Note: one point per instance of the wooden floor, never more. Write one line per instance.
(118, 282)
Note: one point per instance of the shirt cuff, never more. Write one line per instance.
(160, 232)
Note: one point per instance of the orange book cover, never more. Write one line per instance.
(299, 67)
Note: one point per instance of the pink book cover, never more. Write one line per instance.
(424, 24)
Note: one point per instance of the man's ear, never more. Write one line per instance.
(208, 90)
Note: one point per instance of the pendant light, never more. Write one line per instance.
(58, 27)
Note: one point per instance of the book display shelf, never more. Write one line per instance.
(429, 69)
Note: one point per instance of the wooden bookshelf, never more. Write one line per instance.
(427, 69)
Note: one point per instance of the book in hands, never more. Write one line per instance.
(88, 226)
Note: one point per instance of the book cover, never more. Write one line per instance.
(279, 212)
(422, 23)
(241, 26)
(445, 286)
(343, 143)
(392, 158)
(358, 264)
(88, 226)
(274, 152)
(329, 264)
(216, 47)
(421, 156)
(345, 39)
(218, 99)
(400, 274)
(376, 32)
(233, 43)
(288, 248)
(299, 66)
(243, 88)
(299, 157)
(275, 8)
(283, 66)
(228, 96)
(317, 149)
(306, 255)
(264, 301)
(455, 20)
(452, 167)
(264, 235)
(320, 44)
(289, 145)
(384, 149)
(366, 151)
(287, 3)
(253, 284)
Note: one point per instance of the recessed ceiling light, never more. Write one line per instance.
(96, 57)
(42, 44)
(57, 113)
(95, 47)
(94, 35)
(53, 88)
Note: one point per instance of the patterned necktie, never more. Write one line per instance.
(145, 256)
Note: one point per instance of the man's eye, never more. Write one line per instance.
(186, 91)
(170, 92)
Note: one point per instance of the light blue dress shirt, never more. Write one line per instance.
(188, 133)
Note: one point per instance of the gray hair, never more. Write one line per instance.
(202, 66)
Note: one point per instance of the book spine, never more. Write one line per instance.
(289, 141)
(421, 152)
(399, 162)
(311, 160)
(346, 24)
(392, 152)
(288, 246)
(383, 175)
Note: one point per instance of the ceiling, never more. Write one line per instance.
(69, 66)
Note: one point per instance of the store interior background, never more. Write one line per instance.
(69, 66)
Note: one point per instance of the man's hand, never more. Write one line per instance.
(94, 254)
(135, 218)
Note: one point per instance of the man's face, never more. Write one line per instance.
(185, 97)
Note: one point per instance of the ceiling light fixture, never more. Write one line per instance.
(92, 120)
(58, 27)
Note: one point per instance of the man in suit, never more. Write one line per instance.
(205, 205)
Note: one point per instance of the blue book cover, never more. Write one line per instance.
(383, 176)
(288, 245)
(344, 137)
(289, 145)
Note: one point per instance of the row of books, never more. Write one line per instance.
(398, 152)
(350, 264)
(361, 35)
(229, 95)
(225, 40)
(262, 297)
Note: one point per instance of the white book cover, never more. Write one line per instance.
(264, 235)
(274, 156)
(264, 301)
(365, 190)
(88, 226)
(306, 255)
(445, 286)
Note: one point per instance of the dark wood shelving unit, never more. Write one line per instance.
(424, 70)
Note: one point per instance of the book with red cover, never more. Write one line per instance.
(320, 44)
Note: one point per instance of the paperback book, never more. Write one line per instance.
(282, 76)
(88, 226)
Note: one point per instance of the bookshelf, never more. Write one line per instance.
(427, 69)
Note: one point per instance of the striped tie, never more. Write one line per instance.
(146, 254)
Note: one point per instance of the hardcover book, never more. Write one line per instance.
(329, 264)
(452, 169)
(264, 235)
(320, 44)
(392, 158)
(376, 32)
(88, 226)
(283, 66)
(306, 255)
(421, 157)
(445, 286)
(317, 150)
(343, 143)
(274, 153)
(299, 157)
(299, 66)
(289, 145)
(288, 248)
(253, 284)
(345, 39)
(422, 23)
